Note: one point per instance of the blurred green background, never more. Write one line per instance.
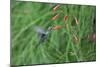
(61, 46)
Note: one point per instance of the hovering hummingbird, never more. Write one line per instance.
(43, 34)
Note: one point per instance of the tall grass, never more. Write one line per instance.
(60, 47)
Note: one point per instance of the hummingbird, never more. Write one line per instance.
(42, 34)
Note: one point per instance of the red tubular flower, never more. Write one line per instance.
(65, 18)
(55, 17)
(57, 27)
(56, 7)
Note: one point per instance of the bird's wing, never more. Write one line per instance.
(39, 30)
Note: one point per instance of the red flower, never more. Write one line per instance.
(56, 27)
(65, 18)
(55, 17)
(56, 7)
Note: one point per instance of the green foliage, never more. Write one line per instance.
(60, 46)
